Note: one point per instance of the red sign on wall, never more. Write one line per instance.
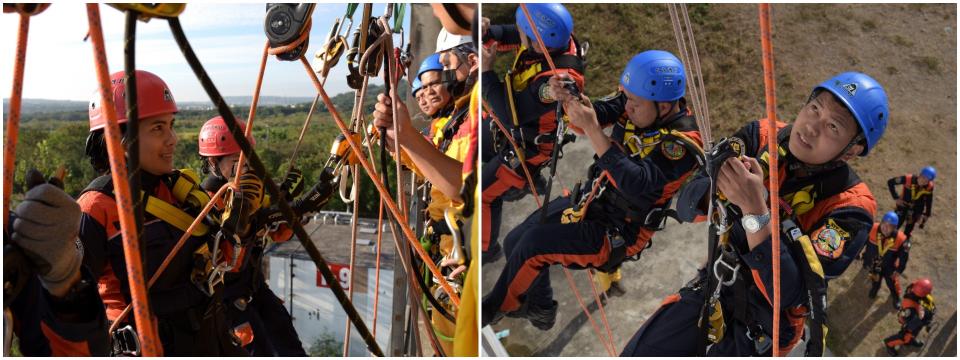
(341, 271)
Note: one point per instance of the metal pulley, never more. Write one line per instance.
(284, 24)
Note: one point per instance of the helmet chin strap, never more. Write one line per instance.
(661, 118)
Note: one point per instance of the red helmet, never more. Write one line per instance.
(216, 139)
(922, 287)
(153, 98)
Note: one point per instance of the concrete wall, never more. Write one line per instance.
(315, 310)
(424, 28)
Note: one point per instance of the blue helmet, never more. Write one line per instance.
(553, 22)
(929, 172)
(891, 218)
(430, 63)
(415, 86)
(866, 99)
(655, 75)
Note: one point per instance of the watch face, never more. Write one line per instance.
(751, 224)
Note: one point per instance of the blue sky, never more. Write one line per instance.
(228, 39)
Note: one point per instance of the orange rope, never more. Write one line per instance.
(293, 45)
(546, 54)
(536, 33)
(603, 313)
(518, 150)
(596, 329)
(253, 112)
(146, 326)
(13, 118)
(391, 205)
(173, 252)
(770, 92)
(353, 258)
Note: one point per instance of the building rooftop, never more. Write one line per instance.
(331, 233)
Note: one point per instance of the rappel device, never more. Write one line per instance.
(285, 23)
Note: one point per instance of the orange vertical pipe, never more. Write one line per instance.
(13, 118)
(770, 93)
(146, 328)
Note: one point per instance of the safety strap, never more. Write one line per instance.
(814, 282)
(185, 190)
(452, 127)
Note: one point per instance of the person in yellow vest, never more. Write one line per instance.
(439, 160)
(882, 255)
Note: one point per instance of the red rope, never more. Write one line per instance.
(771, 97)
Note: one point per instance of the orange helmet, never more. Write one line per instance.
(216, 139)
(153, 98)
(922, 287)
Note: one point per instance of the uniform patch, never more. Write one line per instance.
(672, 150)
(829, 240)
(546, 96)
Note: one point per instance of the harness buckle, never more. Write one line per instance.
(733, 269)
(655, 219)
(762, 343)
(125, 342)
(541, 139)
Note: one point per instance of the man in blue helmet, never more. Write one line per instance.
(915, 202)
(826, 216)
(432, 97)
(882, 255)
(653, 149)
(523, 101)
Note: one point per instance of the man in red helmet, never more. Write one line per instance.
(258, 316)
(916, 313)
(187, 306)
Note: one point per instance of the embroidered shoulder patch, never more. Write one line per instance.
(546, 96)
(829, 240)
(672, 150)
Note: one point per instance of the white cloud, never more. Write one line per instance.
(228, 38)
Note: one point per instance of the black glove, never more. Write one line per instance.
(243, 204)
(318, 196)
(292, 186)
(270, 219)
(46, 229)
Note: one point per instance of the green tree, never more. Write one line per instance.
(326, 345)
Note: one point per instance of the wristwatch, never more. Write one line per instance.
(753, 223)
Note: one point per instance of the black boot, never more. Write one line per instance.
(873, 292)
(542, 318)
(494, 252)
(916, 343)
